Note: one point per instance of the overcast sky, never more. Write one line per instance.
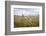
(26, 11)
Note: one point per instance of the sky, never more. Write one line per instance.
(26, 11)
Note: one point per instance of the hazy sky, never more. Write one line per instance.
(26, 11)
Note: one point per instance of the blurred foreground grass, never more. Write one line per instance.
(26, 21)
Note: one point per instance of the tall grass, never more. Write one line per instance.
(26, 21)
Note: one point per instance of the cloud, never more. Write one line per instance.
(26, 11)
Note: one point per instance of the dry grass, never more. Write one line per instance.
(26, 21)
